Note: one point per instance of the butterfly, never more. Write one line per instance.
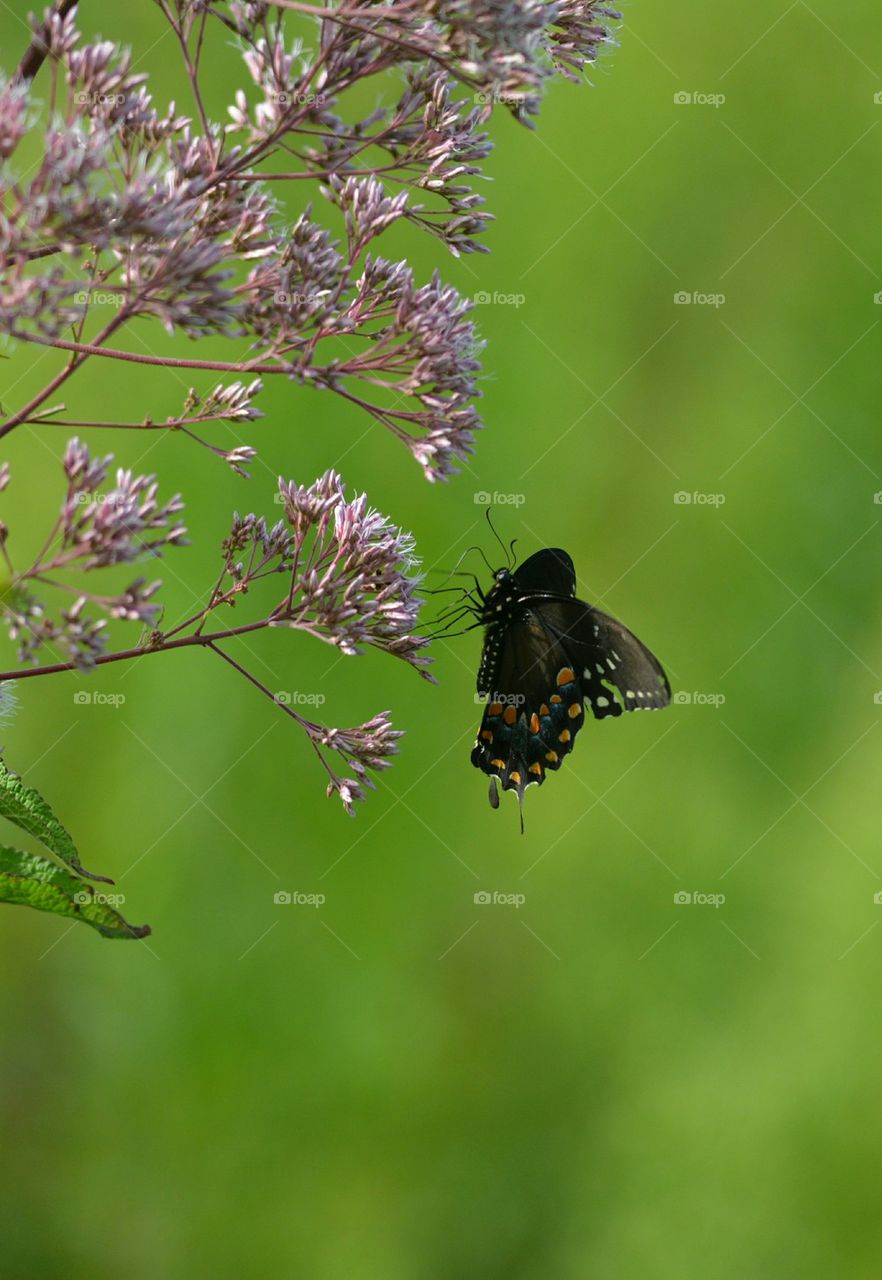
(545, 655)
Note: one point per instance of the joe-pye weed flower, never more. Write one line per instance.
(172, 215)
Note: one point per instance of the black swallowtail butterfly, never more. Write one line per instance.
(545, 654)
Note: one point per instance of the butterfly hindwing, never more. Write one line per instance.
(534, 706)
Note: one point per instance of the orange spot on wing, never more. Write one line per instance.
(543, 710)
(566, 675)
(495, 709)
(487, 735)
(551, 757)
(536, 768)
(510, 714)
(564, 735)
(515, 777)
(534, 723)
(497, 764)
(555, 697)
(575, 710)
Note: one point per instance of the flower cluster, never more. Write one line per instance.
(99, 525)
(137, 213)
(350, 574)
(174, 218)
(121, 524)
(368, 746)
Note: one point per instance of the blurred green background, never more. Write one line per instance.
(602, 1082)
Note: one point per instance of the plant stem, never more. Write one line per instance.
(122, 655)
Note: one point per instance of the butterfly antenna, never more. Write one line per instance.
(496, 535)
(511, 553)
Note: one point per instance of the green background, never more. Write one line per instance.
(402, 1084)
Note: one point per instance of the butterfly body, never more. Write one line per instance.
(545, 655)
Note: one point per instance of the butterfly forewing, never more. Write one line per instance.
(548, 572)
(609, 658)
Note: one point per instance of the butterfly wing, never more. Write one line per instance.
(548, 572)
(542, 668)
(534, 705)
(617, 671)
(599, 647)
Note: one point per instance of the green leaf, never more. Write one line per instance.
(30, 881)
(28, 810)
